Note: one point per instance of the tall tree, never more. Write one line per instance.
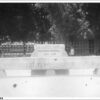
(93, 16)
(68, 20)
(22, 22)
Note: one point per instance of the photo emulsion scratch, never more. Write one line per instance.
(50, 50)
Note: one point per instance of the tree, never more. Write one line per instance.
(42, 23)
(60, 21)
(93, 16)
(22, 22)
(68, 21)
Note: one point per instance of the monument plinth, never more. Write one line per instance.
(49, 50)
(48, 56)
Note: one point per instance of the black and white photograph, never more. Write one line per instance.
(49, 50)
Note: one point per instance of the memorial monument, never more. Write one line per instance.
(48, 56)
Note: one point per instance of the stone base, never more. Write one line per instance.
(38, 72)
(96, 71)
(2, 73)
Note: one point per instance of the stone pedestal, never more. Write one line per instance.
(49, 56)
(2, 73)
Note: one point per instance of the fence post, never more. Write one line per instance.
(24, 47)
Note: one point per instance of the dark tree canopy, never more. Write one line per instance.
(23, 22)
(68, 21)
(45, 22)
(93, 16)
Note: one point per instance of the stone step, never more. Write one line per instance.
(44, 72)
(18, 72)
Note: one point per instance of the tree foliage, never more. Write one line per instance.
(93, 16)
(50, 21)
(22, 22)
(68, 21)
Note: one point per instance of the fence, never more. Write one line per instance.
(16, 50)
(86, 47)
(81, 48)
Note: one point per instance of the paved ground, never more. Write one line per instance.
(50, 86)
(54, 85)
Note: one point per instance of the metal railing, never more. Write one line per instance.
(81, 48)
(16, 50)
